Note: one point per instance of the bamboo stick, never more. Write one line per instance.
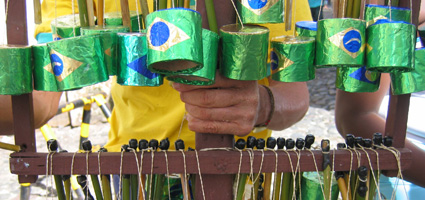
(125, 12)
(356, 8)
(145, 11)
(186, 3)
(82, 9)
(37, 12)
(288, 15)
(100, 8)
(90, 12)
(212, 20)
(335, 8)
(349, 8)
(326, 168)
(162, 4)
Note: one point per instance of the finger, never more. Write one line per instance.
(217, 127)
(215, 98)
(244, 114)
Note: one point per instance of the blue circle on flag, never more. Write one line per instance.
(159, 33)
(274, 60)
(352, 41)
(257, 4)
(57, 64)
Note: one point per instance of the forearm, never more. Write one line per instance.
(291, 102)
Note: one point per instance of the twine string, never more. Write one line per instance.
(200, 175)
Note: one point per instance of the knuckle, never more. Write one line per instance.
(211, 127)
(206, 98)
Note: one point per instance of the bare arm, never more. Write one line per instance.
(357, 113)
(45, 106)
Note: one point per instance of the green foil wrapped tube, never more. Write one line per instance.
(306, 28)
(65, 26)
(132, 57)
(206, 75)
(410, 82)
(16, 70)
(244, 52)
(109, 42)
(374, 13)
(357, 79)
(77, 62)
(44, 80)
(292, 59)
(391, 46)
(260, 11)
(174, 41)
(340, 42)
(312, 188)
(115, 19)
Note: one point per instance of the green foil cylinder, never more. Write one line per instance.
(357, 79)
(244, 51)
(174, 41)
(260, 11)
(115, 19)
(391, 46)
(410, 82)
(306, 28)
(292, 58)
(340, 41)
(206, 75)
(65, 26)
(109, 42)
(312, 189)
(132, 57)
(77, 62)
(374, 13)
(44, 80)
(16, 70)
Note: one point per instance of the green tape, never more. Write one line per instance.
(77, 62)
(174, 41)
(357, 79)
(312, 188)
(132, 56)
(410, 82)
(109, 42)
(292, 59)
(390, 47)
(374, 13)
(260, 12)
(206, 75)
(115, 18)
(340, 42)
(244, 52)
(66, 26)
(44, 80)
(16, 70)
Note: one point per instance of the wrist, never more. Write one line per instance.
(267, 107)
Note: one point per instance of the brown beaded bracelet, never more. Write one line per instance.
(271, 108)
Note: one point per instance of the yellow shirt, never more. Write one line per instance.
(156, 112)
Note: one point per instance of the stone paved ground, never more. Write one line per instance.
(318, 121)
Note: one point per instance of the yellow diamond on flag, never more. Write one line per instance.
(368, 48)
(162, 35)
(349, 40)
(279, 62)
(374, 20)
(258, 7)
(62, 66)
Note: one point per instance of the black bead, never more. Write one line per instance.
(143, 144)
(325, 144)
(280, 143)
(362, 172)
(179, 144)
(349, 140)
(103, 149)
(377, 139)
(133, 144)
(251, 142)
(358, 141)
(52, 145)
(240, 143)
(341, 146)
(367, 142)
(125, 148)
(299, 143)
(290, 143)
(164, 144)
(309, 140)
(153, 144)
(388, 141)
(261, 143)
(271, 142)
(86, 145)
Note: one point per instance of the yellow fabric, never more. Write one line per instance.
(156, 112)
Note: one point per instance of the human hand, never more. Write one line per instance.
(226, 107)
